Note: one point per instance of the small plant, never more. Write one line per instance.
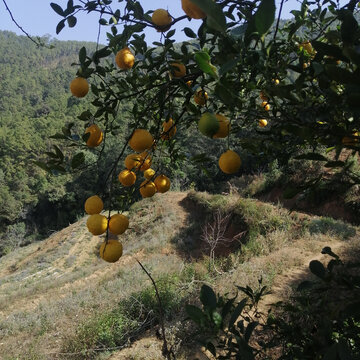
(323, 320)
(226, 326)
(213, 235)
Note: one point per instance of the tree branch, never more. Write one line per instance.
(38, 43)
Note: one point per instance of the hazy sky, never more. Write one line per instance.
(38, 18)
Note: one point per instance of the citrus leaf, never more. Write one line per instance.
(250, 328)
(202, 59)
(195, 314)
(311, 156)
(77, 160)
(208, 297)
(57, 9)
(317, 268)
(211, 347)
(305, 285)
(42, 165)
(265, 16)
(215, 16)
(237, 311)
(60, 26)
(189, 33)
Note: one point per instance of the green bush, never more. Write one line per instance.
(332, 227)
(112, 328)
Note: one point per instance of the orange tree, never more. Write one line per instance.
(246, 80)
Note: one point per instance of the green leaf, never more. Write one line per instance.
(211, 347)
(237, 312)
(57, 9)
(305, 285)
(208, 297)
(228, 66)
(200, 158)
(291, 191)
(349, 26)
(202, 59)
(103, 21)
(311, 156)
(85, 115)
(261, 21)
(59, 153)
(215, 16)
(195, 314)
(249, 330)
(60, 26)
(339, 74)
(343, 350)
(189, 33)
(332, 164)
(224, 94)
(265, 16)
(329, 50)
(59, 136)
(227, 307)
(42, 165)
(317, 268)
(217, 318)
(77, 160)
(170, 33)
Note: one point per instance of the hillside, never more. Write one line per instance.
(58, 300)
(34, 104)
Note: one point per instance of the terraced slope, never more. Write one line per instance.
(55, 295)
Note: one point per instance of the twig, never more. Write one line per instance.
(165, 350)
(19, 27)
(278, 19)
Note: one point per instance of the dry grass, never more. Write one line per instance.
(50, 290)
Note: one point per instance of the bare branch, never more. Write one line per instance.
(38, 43)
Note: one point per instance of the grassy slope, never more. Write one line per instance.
(57, 296)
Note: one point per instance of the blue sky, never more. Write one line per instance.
(38, 19)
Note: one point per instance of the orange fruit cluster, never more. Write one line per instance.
(97, 224)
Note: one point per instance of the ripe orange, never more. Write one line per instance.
(127, 177)
(351, 140)
(111, 250)
(192, 10)
(118, 223)
(94, 205)
(306, 45)
(161, 19)
(162, 183)
(125, 59)
(265, 105)
(208, 124)
(133, 161)
(178, 69)
(149, 174)
(262, 122)
(147, 189)
(276, 81)
(97, 224)
(229, 162)
(141, 140)
(224, 127)
(200, 97)
(96, 136)
(169, 129)
(145, 161)
(79, 87)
